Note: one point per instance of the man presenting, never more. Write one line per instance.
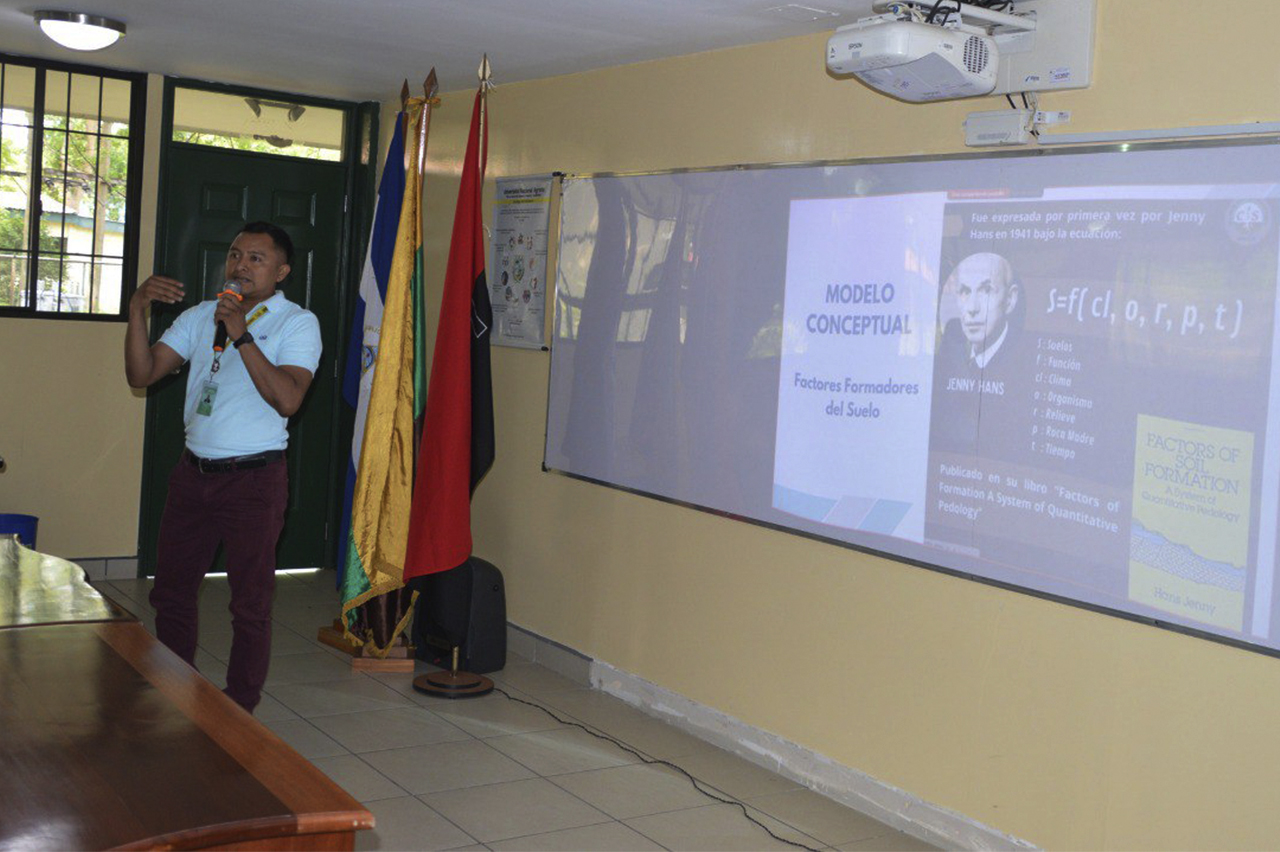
(231, 484)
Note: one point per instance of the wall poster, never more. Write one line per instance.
(518, 274)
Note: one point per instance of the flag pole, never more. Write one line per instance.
(461, 347)
(404, 107)
(377, 608)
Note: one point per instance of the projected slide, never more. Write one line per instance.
(1057, 372)
(1073, 382)
(853, 400)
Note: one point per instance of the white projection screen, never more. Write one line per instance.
(1055, 372)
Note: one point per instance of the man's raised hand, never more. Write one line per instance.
(158, 288)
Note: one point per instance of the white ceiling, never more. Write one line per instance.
(363, 49)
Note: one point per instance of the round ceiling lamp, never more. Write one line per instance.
(79, 31)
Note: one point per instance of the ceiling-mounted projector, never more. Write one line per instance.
(915, 61)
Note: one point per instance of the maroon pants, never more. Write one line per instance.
(244, 511)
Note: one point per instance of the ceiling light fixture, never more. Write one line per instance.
(79, 31)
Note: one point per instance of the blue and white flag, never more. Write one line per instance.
(366, 320)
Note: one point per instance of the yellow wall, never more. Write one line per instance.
(1064, 727)
(70, 427)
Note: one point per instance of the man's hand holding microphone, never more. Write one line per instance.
(229, 315)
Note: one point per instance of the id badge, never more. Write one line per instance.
(208, 393)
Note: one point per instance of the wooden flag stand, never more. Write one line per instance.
(453, 683)
(399, 658)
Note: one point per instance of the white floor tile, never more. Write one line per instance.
(304, 738)
(716, 827)
(533, 679)
(358, 778)
(593, 707)
(630, 791)
(349, 695)
(446, 766)
(605, 837)
(515, 809)
(408, 825)
(561, 751)
(379, 730)
(495, 718)
(269, 710)
(308, 667)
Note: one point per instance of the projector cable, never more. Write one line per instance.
(697, 785)
(934, 11)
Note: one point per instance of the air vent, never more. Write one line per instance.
(976, 55)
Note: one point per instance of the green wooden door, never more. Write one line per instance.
(209, 195)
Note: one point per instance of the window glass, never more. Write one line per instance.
(257, 124)
(86, 99)
(57, 86)
(115, 106)
(19, 93)
(15, 184)
(70, 152)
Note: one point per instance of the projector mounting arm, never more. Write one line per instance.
(974, 13)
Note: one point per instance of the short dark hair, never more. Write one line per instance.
(278, 236)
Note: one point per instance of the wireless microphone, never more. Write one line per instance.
(220, 337)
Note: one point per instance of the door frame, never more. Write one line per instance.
(360, 132)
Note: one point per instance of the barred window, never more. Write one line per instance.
(68, 138)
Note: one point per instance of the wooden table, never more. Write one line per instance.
(109, 741)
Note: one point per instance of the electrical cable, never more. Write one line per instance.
(993, 5)
(1027, 105)
(697, 785)
(934, 11)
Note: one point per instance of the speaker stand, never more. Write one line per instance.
(453, 683)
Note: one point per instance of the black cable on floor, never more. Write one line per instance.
(697, 785)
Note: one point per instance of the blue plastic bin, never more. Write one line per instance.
(24, 526)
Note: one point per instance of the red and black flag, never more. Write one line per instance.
(457, 445)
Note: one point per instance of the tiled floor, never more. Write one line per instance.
(491, 773)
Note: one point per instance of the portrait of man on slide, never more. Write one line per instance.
(986, 294)
(980, 370)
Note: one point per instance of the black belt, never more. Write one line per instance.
(235, 462)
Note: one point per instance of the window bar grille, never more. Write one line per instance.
(97, 200)
(11, 285)
(35, 199)
(66, 190)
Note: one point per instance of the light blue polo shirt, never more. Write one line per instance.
(241, 422)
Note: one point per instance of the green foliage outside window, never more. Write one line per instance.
(82, 183)
(258, 145)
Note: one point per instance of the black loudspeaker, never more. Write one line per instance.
(467, 607)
